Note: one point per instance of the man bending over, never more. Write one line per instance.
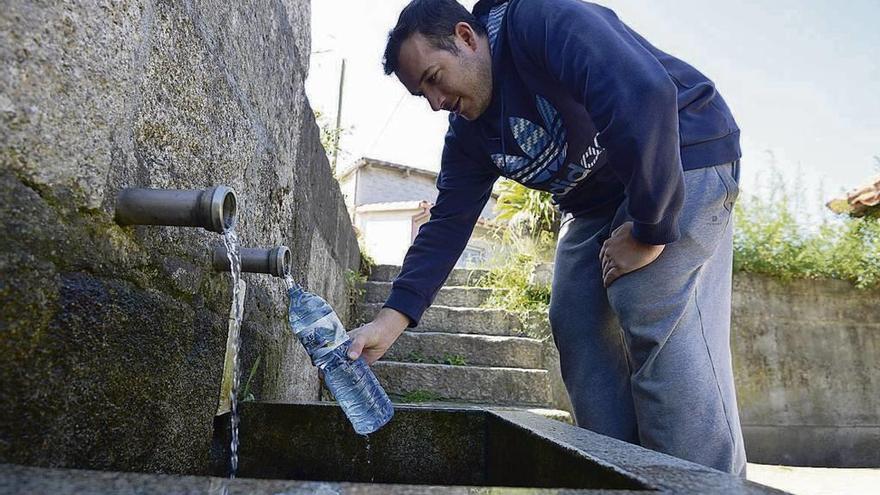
(641, 155)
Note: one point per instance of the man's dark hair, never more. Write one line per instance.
(433, 19)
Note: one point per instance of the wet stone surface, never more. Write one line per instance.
(113, 338)
(450, 450)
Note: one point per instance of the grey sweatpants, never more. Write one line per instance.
(648, 360)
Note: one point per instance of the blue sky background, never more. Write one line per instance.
(802, 78)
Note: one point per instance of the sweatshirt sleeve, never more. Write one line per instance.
(627, 92)
(464, 186)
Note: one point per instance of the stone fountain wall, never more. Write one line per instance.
(112, 338)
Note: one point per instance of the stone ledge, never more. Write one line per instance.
(460, 297)
(473, 350)
(549, 413)
(508, 386)
(447, 319)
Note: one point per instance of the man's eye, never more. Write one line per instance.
(433, 78)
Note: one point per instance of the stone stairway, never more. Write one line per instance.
(463, 353)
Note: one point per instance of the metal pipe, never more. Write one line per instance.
(274, 261)
(212, 209)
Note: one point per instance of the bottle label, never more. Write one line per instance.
(323, 336)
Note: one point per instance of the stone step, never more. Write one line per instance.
(459, 297)
(503, 386)
(458, 277)
(482, 321)
(467, 350)
(557, 414)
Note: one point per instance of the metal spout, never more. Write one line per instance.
(212, 209)
(274, 261)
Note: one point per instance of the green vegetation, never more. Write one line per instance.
(354, 288)
(514, 293)
(448, 358)
(513, 276)
(246, 394)
(366, 262)
(416, 357)
(354, 282)
(528, 237)
(330, 135)
(769, 239)
(454, 360)
(526, 211)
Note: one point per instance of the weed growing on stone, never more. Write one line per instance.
(416, 357)
(519, 295)
(515, 293)
(354, 288)
(246, 394)
(454, 360)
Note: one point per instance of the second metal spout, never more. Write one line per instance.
(275, 261)
(212, 209)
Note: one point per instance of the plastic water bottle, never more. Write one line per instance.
(352, 383)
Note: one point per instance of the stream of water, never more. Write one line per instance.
(369, 459)
(230, 240)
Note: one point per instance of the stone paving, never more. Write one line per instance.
(816, 481)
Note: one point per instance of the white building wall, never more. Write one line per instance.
(377, 185)
(386, 235)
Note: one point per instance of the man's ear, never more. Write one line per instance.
(466, 34)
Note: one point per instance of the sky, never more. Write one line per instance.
(802, 78)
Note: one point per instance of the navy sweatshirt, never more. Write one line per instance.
(582, 107)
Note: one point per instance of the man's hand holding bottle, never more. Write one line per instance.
(375, 338)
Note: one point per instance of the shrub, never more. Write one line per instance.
(769, 239)
(527, 212)
(516, 293)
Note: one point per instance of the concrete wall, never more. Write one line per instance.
(112, 339)
(806, 357)
(807, 364)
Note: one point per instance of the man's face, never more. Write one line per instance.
(456, 82)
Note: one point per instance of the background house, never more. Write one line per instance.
(388, 202)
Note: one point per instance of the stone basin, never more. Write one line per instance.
(295, 449)
(453, 446)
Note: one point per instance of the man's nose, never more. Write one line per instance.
(436, 100)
